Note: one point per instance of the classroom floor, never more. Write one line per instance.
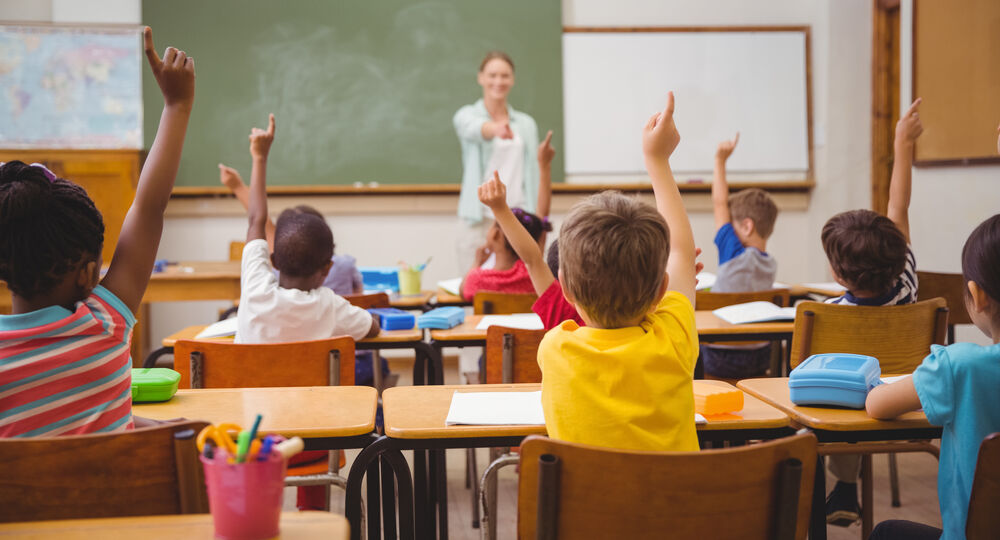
(917, 472)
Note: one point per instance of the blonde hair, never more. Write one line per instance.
(492, 55)
(613, 255)
(757, 205)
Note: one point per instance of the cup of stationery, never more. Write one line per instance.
(409, 278)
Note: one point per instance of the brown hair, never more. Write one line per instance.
(981, 260)
(493, 55)
(613, 255)
(757, 205)
(866, 250)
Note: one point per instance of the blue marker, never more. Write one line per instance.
(265, 448)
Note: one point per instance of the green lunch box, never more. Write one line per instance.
(154, 384)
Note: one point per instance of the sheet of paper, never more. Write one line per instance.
(223, 328)
(705, 281)
(887, 380)
(831, 286)
(699, 419)
(496, 408)
(524, 321)
(752, 312)
(780, 285)
(451, 286)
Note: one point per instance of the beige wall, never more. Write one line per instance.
(380, 231)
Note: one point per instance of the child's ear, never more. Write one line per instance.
(274, 262)
(325, 270)
(562, 284)
(661, 292)
(979, 300)
(85, 275)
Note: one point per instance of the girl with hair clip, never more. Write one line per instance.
(956, 386)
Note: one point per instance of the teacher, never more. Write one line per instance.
(493, 137)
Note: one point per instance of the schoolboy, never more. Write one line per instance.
(624, 380)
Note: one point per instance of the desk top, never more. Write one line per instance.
(411, 301)
(385, 336)
(419, 412)
(445, 298)
(191, 270)
(304, 525)
(706, 322)
(775, 391)
(309, 412)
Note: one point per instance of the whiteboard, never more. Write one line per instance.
(753, 82)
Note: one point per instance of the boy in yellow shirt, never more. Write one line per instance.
(624, 380)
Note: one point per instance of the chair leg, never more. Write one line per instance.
(894, 481)
(472, 469)
(488, 524)
(867, 496)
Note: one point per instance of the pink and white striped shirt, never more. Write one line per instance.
(67, 373)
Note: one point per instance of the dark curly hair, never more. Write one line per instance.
(535, 225)
(303, 242)
(48, 226)
(866, 250)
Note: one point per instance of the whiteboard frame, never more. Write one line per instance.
(807, 36)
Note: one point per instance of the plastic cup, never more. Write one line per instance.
(245, 498)
(409, 281)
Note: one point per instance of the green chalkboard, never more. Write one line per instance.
(363, 90)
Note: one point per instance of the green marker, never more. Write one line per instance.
(242, 446)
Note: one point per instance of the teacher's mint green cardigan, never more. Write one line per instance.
(476, 153)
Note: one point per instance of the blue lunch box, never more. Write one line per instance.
(835, 379)
(442, 318)
(393, 319)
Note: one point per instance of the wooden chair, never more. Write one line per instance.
(324, 362)
(951, 287)
(899, 336)
(495, 303)
(368, 301)
(983, 520)
(511, 357)
(146, 471)
(758, 491)
(236, 250)
(707, 300)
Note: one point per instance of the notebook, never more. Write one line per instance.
(524, 321)
(752, 312)
(502, 409)
(451, 286)
(223, 328)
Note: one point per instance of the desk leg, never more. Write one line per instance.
(817, 517)
(367, 462)
(388, 500)
(442, 499)
(867, 496)
(432, 496)
(374, 499)
(420, 489)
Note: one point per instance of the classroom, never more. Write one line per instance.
(816, 107)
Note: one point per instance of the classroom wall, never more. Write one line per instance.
(414, 228)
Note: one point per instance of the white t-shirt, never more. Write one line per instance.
(271, 314)
(508, 159)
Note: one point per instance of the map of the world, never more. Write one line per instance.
(63, 87)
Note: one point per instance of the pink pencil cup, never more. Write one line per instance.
(245, 498)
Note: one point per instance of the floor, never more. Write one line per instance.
(918, 485)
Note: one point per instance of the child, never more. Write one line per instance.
(743, 223)
(344, 277)
(624, 380)
(956, 386)
(870, 256)
(508, 275)
(64, 352)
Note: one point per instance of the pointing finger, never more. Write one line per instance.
(668, 112)
(548, 138)
(147, 45)
(270, 124)
(913, 106)
(736, 139)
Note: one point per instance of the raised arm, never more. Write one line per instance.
(132, 262)
(494, 195)
(545, 155)
(260, 145)
(907, 130)
(720, 188)
(659, 139)
(231, 178)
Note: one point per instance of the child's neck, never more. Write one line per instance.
(63, 294)
(505, 260)
(295, 282)
(755, 241)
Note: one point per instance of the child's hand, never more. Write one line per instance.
(660, 136)
(726, 148)
(482, 253)
(174, 73)
(260, 140)
(909, 126)
(698, 265)
(230, 177)
(546, 152)
(494, 194)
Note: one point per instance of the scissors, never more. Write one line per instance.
(220, 435)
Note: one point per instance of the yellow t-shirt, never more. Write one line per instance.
(627, 388)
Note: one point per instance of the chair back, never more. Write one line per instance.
(236, 250)
(706, 300)
(760, 491)
(899, 336)
(220, 364)
(366, 301)
(951, 287)
(141, 472)
(496, 303)
(984, 521)
(512, 355)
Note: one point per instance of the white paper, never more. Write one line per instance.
(524, 321)
(887, 380)
(779, 285)
(705, 281)
(223, 328)
(699, 419)
(496, 408)
(831, 286)
(752, 312)
(451, 286)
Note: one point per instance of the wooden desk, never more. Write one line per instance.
(444, 298)
(412, 301)
(822, 289)
(304, 525)
(415, 420)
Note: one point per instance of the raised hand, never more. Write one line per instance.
(660, 136)
(260, 140)
(726, 148)
(230, 177)
(174, 73)
(494, 194)
(545, 151)
(909, 126)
